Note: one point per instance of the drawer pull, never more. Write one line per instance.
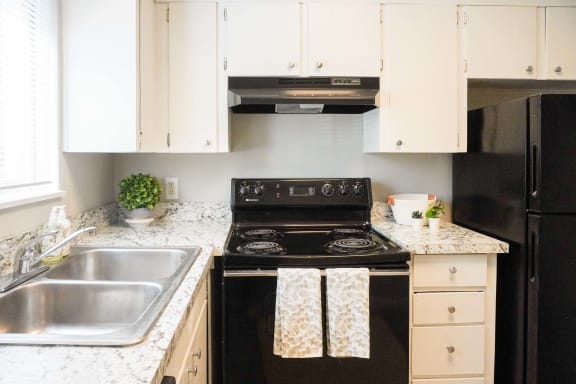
(193, 371)
(452, 270)
(450, 349)
(451, 309)
(198, 354)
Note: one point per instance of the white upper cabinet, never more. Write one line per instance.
(419, 88)
(100, 75)
(343, 39)
(561, 43)
(292, 39)
(262, 39)
(499, 42)
(193, 79)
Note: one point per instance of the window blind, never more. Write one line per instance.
(28, 106)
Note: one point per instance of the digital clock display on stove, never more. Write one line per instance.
(302, 191)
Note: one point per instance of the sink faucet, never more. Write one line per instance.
(26, 260)
(27, 257)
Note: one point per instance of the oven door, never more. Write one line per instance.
(248, 332)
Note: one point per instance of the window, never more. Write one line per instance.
(28, 101)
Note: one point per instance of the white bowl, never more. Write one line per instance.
(404, 204)
(139, 223)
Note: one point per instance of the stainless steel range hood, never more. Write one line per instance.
(350, 95)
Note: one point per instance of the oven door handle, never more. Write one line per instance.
(274, 273)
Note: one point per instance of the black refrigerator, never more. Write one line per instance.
(518, 183)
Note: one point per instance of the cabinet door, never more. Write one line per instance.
(262, 39)
(100, 73)
(500, 42)
(419, 90)
(561, 42)
(198, 354)
(343, 39)
(192, 72)
(153, 76)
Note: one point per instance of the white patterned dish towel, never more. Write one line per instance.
(298, 317)
(348, 312)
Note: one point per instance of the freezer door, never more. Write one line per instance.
(551, 147)
(551, 320)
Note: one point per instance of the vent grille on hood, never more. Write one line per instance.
(303, 95)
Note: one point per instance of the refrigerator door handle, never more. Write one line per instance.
(532, 256)
(535, 171)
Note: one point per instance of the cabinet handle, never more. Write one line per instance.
(193, 371)
(291, 65)
(319, 64)
(451, 309)
(198, 354)
(452, 270)
(529, 69)
(450, 349)
(558, 69)
(207, 142)
(399, 143)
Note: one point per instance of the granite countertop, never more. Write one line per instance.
(145, 362)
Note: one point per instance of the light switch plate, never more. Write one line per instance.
(171, 188)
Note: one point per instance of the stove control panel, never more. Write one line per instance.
(301, 192)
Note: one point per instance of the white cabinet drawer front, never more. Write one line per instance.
(448, 308)
(476, 380)
(449, 271)
(447, 351)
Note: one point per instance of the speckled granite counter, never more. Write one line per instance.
(142, 363)
(449, 239)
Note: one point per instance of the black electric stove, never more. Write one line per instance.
(306, 222)
(310, 223)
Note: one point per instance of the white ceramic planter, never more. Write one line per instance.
(417, 224)
(434, 224)
(138, 213)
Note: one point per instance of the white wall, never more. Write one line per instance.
(294, 146)
(87, 182)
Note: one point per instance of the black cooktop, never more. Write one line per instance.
(273, 246)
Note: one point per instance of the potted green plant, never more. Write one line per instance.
(138, 195)
(417, 220)
(433, 214)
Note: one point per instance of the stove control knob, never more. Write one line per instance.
(327, 190)
(343, 188)
(244, 190)
(357, 189)
(259, 190)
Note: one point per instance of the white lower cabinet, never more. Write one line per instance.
(453, 319)
(189, 360)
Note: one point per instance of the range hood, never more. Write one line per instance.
(350, 95)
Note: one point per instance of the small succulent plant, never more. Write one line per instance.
(416, 214)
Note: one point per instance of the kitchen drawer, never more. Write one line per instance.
(475, 380)
(449, 271)
(448, 308)
(447, 351)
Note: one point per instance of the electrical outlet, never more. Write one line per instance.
(171, 188)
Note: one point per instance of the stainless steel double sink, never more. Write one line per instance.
(99, 296)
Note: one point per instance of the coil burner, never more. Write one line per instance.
(261, 234)
(261, 248)
(353, 246)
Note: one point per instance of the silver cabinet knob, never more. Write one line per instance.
(558, 69)
(451, 309)
(291, 65)
(207, 142)
(529, 69)
(193, 371)
(450, 349)
(198, 354)
(399, 143)
(452, 270)
(319, 64)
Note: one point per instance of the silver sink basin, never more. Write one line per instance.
(123, 264)
(99, 296)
